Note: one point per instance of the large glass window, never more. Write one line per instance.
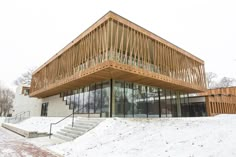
(131, 100)
(168, 104)
(118, 106)
(76, 102)
(173, 104)
(163, 102)
(81, 100)
(140, 105)
(128, 98)
(153, 102)
(184, 105)
(98, 98)
(92, 98)
(72, 102)
(86, 99)
(105, 99)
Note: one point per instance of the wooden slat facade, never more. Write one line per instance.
(116, 48)
(220, 101)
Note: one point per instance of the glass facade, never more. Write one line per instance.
(125, 99)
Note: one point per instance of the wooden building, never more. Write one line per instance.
(117, 68)
(220, 101)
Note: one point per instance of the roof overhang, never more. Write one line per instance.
(117, 71)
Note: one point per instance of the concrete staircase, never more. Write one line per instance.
(81, 126)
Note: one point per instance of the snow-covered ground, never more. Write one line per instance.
(2, 120)
(42, 124)
(171, 137)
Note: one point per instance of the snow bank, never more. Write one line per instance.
(42, 124)
(2, 120)
(183, 137)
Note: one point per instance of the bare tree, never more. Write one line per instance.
(25, 78)
(226, 82)
(211, 83)
(6, 100)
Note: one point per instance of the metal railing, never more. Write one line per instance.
(18, 117)
(72, 114)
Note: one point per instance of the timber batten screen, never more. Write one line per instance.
(116, 48)
(220, 100)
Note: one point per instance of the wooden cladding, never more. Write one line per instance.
(221, 101)
(221, 105)
(114, 38)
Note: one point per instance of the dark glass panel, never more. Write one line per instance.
(153, 102)
(184, 105)
(168, 104)
(68, 100)
(163, 103)
(118, 106)
(98, 98)
(105, 98)
(86, 99)
(81, 100)
(128, 100)
(173, 104)
(72, 102)
(76, 102)
(140, 106)
(92, 98)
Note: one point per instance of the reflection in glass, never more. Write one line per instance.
(98, 98)
(91, 98)
(163, 102)
(86, 98)
(118, 106)
(140, 107)
(168, 104)
(153, 102)
(173, 104)
(128, 99)
(105, 98)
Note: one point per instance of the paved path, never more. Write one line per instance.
(12, 145)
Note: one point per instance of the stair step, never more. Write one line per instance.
(89, 120)
(76, 128)
(83, 126)
(85, 123)
(67, 134)
(72, 131)
(65, 138)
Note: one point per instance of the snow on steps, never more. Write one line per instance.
(81, 126)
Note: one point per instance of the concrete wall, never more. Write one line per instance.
(197, 99)
(56, 106)
(23, 103)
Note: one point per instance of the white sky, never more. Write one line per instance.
(33, 31)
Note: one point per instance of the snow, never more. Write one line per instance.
(42, 124)
(178, 137)
(2, 120)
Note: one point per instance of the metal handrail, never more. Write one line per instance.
(17, 115)
(72, 114)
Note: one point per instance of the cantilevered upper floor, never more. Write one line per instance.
(115, 48)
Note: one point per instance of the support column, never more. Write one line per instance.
(111, 97)
(178, 104)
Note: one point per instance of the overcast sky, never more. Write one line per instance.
(33, 31)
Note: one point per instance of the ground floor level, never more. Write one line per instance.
(117, 98)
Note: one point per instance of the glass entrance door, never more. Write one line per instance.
(44, 109)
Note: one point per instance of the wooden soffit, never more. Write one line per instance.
(117, 71)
